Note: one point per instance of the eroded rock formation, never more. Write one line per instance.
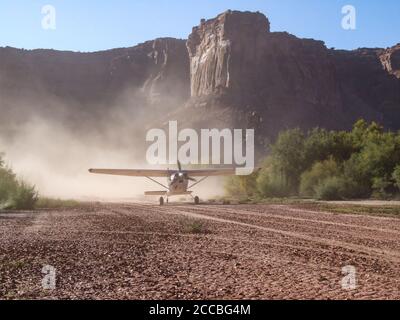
(276, 80)
(232, 71)
(391, 60)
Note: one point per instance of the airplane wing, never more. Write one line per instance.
(211, 172)
(132, 172)
(165, 173)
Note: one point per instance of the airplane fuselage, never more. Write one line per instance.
(178, 184)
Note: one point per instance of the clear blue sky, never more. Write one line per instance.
(91, 25)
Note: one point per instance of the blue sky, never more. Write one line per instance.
(91, 25)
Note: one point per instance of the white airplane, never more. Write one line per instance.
(178, 180)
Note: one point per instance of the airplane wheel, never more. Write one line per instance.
(161, 201)
(196, 200)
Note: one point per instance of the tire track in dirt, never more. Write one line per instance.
(325, 258)
(292, 218)
(394, 222)
(365, 235)
(390, 255)
(150, 209)
(261, 258)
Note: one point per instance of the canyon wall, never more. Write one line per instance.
(232, 71)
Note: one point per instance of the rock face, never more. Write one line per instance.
(160, 68)
(390, 59)
(222, 51)
(89, 83)
(366, 85)
(275, 80)
(232, 71)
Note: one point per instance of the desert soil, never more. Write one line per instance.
(182, 251)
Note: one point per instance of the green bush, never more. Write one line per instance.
(396, 176)
(329, 189)
(14, 193)
(233, 187)
(193, 226)
(242, 186)
(24, 197)
(8, 184)
(271, 184)
(320, 171)
(51, 203)
(383, 188)
(328, 164)
(350, 189)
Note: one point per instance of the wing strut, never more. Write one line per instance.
(157, 182)
(202, 179)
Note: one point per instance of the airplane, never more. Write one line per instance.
(178, 180)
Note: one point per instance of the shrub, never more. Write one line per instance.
(24, 197)
(350, 189)
(320, 171)
(271, 184)
(382, 188)
(328, 164)
(8, 185)
(396, 176)
(50, 203)
(233, 187)
(357, 178)
(14, 193)
(329, 189)
(242, 186)
(194, 226)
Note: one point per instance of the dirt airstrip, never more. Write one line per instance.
(182, 251)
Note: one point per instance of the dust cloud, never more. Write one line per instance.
(52, 144)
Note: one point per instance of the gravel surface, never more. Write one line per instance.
(182, 251)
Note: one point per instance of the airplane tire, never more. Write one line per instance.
(161, 201)
(196, 200)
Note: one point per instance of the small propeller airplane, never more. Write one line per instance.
(178, 180)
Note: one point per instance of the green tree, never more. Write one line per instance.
(396, 176)
(271, 182)
(289, 157)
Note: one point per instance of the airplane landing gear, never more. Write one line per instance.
(196, 200)
(161, 201)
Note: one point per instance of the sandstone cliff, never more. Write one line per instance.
(232, 71)
(390, 59)
(275, 80)
(92, 83)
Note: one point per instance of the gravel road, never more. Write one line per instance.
(182, 251)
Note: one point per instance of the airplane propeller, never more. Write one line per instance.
(186, 175)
